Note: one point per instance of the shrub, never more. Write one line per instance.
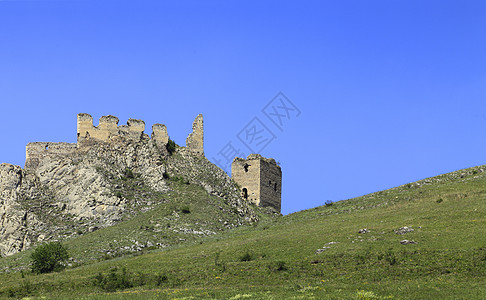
(277, 266)
(114, 280)
(328, 203)
(440, 200)
(180, 179)
(161, 278)
(246, 256)
(171, 146)
(21, 291)
(185, 210)
(49, 257)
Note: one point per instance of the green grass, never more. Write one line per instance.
(186, 214)
(277, 258)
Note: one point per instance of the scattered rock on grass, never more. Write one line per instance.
(326, 246)
(403, 230)
(319, 251)
(364, 230)
(406, 242)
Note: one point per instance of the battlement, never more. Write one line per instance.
(107, 131)
(108, 128)
(260, 180)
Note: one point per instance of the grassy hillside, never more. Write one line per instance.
(279, 258)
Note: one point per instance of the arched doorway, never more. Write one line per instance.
(245, 193)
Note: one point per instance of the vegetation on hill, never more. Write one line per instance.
(422, 240)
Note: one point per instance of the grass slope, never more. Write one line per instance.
(277, 258)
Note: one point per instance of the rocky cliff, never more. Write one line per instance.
(99, 184)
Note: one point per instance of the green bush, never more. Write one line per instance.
(246, 256)
(171, 146)
(49, 257)
(161, 278)
(113, 280)
(180, 179)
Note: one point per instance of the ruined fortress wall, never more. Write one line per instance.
(108, 128)
(37, 151)
(270, 184)
(195, 140)
(246, 173)
(160, 135)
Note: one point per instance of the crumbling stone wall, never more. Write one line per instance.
(107, 131)
(260, 180)
(160, 135)
(195, 140)
(108, 128)
(35, 152)
(270, 184)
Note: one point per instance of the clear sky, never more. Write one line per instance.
(378, 93)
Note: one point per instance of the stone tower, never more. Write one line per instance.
(260, 180)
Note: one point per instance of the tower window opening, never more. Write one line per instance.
(246, 167)
(245, 193)
(275, 187)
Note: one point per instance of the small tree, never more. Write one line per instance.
(171, 146)
(49, 257)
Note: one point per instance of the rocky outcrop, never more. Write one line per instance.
(112, 173)
(98, 184)
(15, 218)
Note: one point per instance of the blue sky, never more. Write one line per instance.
(388, 92)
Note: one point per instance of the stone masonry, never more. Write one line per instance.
(35, 152)
(195, 140)
(160, 135)
(108, 128)
(260, 180)
(106, 131)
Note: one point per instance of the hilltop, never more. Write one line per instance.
(162, 194)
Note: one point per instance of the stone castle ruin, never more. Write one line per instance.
(108, 130)
(260, 178)
(113, 171)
